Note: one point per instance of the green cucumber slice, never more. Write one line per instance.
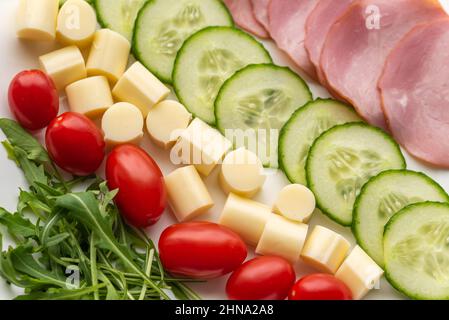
(384, 195)
(416, 248)
(255, 100)
(307, 124)
(206, 60)
(342, 160)
(118, 15)
(163, 25)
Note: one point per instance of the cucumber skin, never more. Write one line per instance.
(338, 127)
(292, 119)
(192, 37)
(249, 67)
(355, 211)
(134, 41)
(397, 215)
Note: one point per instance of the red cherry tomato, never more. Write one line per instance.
(201, 250)
(263, 278)
(320, 287)
(33, 99)
(142, 197)
(75, 144)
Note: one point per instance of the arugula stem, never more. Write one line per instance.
(93, 266)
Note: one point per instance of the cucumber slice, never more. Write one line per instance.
(384, 195)
(342, 160)
(118, 15)
(255, 100)
(416, 247)
(163, 25)
(206, 60)
(307, 124)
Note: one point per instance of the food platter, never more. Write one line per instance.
(18, 55)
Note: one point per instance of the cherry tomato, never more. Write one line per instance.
(320, 287)
(142, 197)
(75, 144)
(201, 250)
(33, 99)
(263, 278)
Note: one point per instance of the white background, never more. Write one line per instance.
(16, 56)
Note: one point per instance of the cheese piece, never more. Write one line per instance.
(64, 66)
(359, 272)
(283, 238)
(245, 217)
(108, 55)
(295, 202)
(165, 121)
(187, 194)
(325, 250)
(122, 123)
(76, 24)
(242, 173)
(90, 96)
(36, 20)
(200, 145)
(141, 88)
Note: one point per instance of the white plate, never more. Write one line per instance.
(20, 55)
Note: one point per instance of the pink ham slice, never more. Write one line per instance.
(357, 46)
(242, 12)
(260, 9)
(415, 92)
(287, 21)
(318, 24)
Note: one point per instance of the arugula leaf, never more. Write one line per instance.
(19, 137)
(61, 294)
(33, 172)
(18, 227)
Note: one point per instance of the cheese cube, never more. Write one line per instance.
(108, 55)
(64, 66)
(242, 173)
(295, 202)
(187, 194)
(90, 96)
(36, 20)
(165, 121)
(76, 24)
(245, 217)
(325, 250)
(359, 272)
(200, 145)
(122, 123)
(283, 238)
(141, 88)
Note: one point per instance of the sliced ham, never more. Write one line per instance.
(415, 92)
(242, 12)
(358, 44)
(318, 24)
(260, 9)
(287, 21)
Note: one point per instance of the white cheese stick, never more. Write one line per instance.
(122, 123)
(76, 24)
(91, 96)
(325, 250)
(283, 238)
(245, 217)
(242, 173)
(295, 202)
(200, 145)
(165, 121)
(187, 194)
(140, 87)
(108, 55)
(359, 272)
(36, 20)
(64, 66)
